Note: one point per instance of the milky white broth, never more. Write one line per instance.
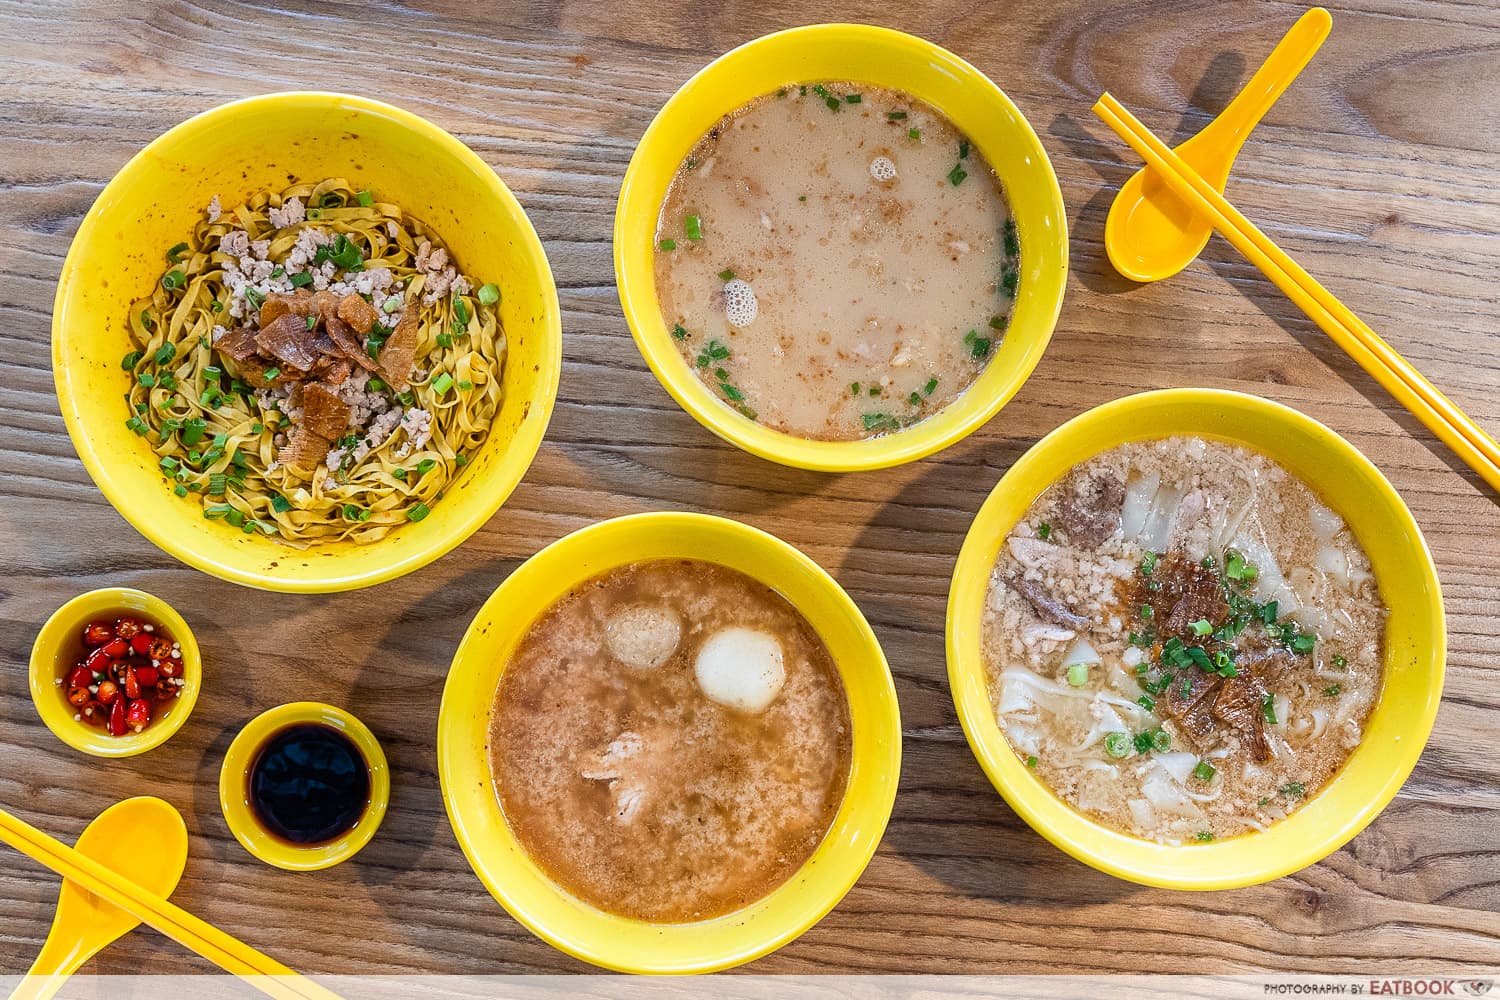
(866, 289)
(1142, 559)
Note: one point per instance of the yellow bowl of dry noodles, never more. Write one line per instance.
(139, 245)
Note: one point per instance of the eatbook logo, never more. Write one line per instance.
(1478, 987)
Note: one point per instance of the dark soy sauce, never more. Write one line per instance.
(309, 784)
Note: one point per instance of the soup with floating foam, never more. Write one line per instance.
(1182, 640)
(836, 261)
(670, 741)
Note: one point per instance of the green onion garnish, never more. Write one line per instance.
(1149, 563)
(1203, 836)
(854, 388)
(130, 360)
(693, 225)
(895, 116)
(174, 255)
(1044, 531)
(1031, 762)
(1161, 740)
(168, 464)
(914, 133)
(465, 385)
(667, 245)
(217, 484)
(679, 332)
(1117, 745)
(217, 510)
(173, 279)
(193, 431)
(915, 399)
(165, 353)
(461, 310)
(963, 149)
(365, 198)
(980, 348)
(1201, 627)
(146, 379)
(460, 460)
(254, 298)
(418, 512)
(180, 490)
(1204, 771)
(730, 391)
(726, 275)
(1339, 662)
(1293, 789)
(1333, 690)
(1147, 612)
(425, 466)
(1304, 642)
(271, 374)
(301, 280)
(1078, 674)
(442, 383)
(930, 387)
(280, 504)
(1147, 702)
(1268, 708)
(444, 339)
(957, 174)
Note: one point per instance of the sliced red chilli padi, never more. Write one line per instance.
(127, 672)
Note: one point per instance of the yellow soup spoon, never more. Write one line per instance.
(1151, 233)
(143, 839)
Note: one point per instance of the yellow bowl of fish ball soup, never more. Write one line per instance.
(669, 743)
(306, 342)
(1195, 639)
(841, 247)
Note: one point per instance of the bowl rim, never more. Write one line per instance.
(643, 314)
(527, 436)
(1094, 843)
(57, 631)
(239, 758)
(873, 817)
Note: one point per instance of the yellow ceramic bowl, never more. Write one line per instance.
(1415, 637)
(58, 642)
(880, 57)
(262, 143)
(234, 778)
(618, 942)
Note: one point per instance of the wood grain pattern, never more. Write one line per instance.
(1377, 170)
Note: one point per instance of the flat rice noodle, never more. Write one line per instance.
(289, 341)
(358, 313)
(400, 351)
(1136, 507)
(323, 412)
(238, 344)
(350, 344)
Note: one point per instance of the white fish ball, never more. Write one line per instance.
(642, 636)
(741, 668)
(740, 306)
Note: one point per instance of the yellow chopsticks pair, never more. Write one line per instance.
(228, 952)
(1410, 388)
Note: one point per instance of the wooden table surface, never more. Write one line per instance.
(1377, 170)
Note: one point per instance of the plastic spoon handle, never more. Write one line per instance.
(1228, 132)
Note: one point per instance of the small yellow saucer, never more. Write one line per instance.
(234, 781)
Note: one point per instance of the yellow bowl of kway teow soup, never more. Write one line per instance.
(1195, 639)
(669, 743)
(841, 247)
(306, 342)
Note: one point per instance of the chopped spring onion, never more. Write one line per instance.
(1078, 674)
(1044, 531)
(930, 387)
(1293, 789)
(146, 379)
(1149, 563)
(1147, 702)
(193, 431)
(271, 374)
(854, 388)
(174, 255)
(1031, 762)
(1268, 708)
(460, 460)
(693, 226)
(374, 385)
(1203, 836)
(418, 512)
(667, 245)
(442, 383)
(895, 116)
(164, 354)
(1333, 690)
(173, 279)
(280, 504)
(1204, 771)
(1340, 662)
(915, 399)
(391, 304)
(1201, 627)
(425, 466)
(852, 98)
(726, 275)
(180, 490)
(129, 361)
(168, 464)
(1147, 612)
(217, 483)
(957, 174)
(1117, 745)
(301, 280)
(914, 133)
(1304, 642)
(217, 510)
(679, 332)
(365, 198)
(461, 310)
(444, 339)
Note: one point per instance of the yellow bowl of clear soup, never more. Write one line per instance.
(524, 887)
(877, 57)
(1414, 650)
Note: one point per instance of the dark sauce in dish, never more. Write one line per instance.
(309, 784)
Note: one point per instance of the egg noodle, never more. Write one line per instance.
(218, 438)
